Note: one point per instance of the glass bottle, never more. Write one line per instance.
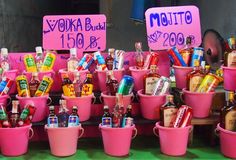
(168, 112)
(52, 118)
(87, 88)
(5, 64)
(187, 51)
(4, 117)
(74, 117)
(106, 118)
(127, 118)
(150, 79)
(228, 112)
(118, 111)
(72, 61)
(111, 84)
(67, 86)
(139, 58)
(14, 115)
(77, 84)
(63, 116)
(110, 58)
(230, 55)
(39, 58)
(34, 83)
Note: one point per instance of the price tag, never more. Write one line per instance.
(169, 26)
(84, 32)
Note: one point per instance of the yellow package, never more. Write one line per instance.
(22, 86)
(30, 63)
(44, 86)
(48, 62)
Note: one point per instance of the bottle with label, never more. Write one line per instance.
(127, 118)
(110, 58)
(150, 80)
(117, 112)
(22, 86)
(29, 62)
(4, 121)
(74, 117)
(106, 118)
(63, 116)
(14, 114)
(5, 64)
(67, 86)
(187, 51)
(34, 83)
(111, 84)
(44, 86)
(5, 86)
(230, 54)
(77, 84)
(52, 120)
(39, 58)
(72, 62)
(228, 112)
(139, 58)
(168, 112)
(49, 61)
(87, 88)
(26, 115)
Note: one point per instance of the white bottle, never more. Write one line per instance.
(72, 61)
(4, 60)
(39, 58)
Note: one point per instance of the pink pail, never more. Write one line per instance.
(229, 75)
(181, 76)
(138, 75)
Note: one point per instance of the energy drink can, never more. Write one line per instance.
(184, 117)
(85, 62)
(208, 84)
(48, 62)
(176, 57)
(126, 85)
(22, 86)
(29, 62)
(44, 86)
(197, 56)
(162, 86)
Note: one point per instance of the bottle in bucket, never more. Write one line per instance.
(168, 112)
(5, 86)
(52, 120)
(72, 61)
(183, 117)
(30, 63)
(127, 118)
(87, 88)
(22, 86)
(119, 59)
(34, 84)
(77, 84)
(111, 83)
(106, 118)
(139, 57)
(26, 115)
(63, 116)
(150, 80)
(117, 114)
(74, 117)
(100, 61)
(187, 51)
(110, 58)
(49, 61)
(39, 58)
(67, 86)
(4, 117)
(44, 86)
(14, 114)
(126, 85)
(5, 64)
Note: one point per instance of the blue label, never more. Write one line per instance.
(52, 122)
(73, 121)
(106, 121)
(2, 85)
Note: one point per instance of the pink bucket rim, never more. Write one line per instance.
(65, 70)
(51, 71)
(117, 129)
(182, 67)
(116, 70)
(228, 68)
(171, 128)
(140, 93)
(12, 71)
(4, 96)
(17, 128)
(103, 94)
(224, 130)
(133, 68)
(83, 97)
(63, 128)
(40, 97)
(193, 93)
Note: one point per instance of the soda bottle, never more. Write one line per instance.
(29, 62)
(4, 117)
(111, 84)
(5, 64)
(74, 117)
(63, 115)
(87, 88)
(22, 86)
(67, 86)
(127, 118)
(44, 86)
(34, 83)
(14, 114)
(49, 61)
(52, 118)
(110, 58)
(106, 118)
(39, 58)
(72, 61)
(77, 84)
(139, 58)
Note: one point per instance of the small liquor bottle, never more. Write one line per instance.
(39, 58)
(14, 115)
(5, 64)
(139, 58)
(111, 84)
(106, 118)
(230, 55)
(168, 112)
(74, 117)
(87, 88)
(187, 51)
(150, 80)
(228, 113)
(110, 58)
(77, 84)
(3, 117)
(63, 116)
(118, 111)
(67, 86)
(34, 84)
(52, 118)
(72, 61)
(127, 118)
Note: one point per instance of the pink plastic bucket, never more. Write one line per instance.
(138, 75)
(83, 104)
(12, 74)
(40, 104)
(40, 75)
(181, 76)
(227, 142)
(71, 74)
(118, 74)
(63, 140)
(110, 101)
(14, 141)
(150, 105)
(4, 99)
(173, 141)
(200, 102)
(229, 75)
(117, 141)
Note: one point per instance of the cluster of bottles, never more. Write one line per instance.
(118, 118)
(230, 53)
(40, 63)
(15, 118)
(228, 112)
(173, 116)
(62, 119)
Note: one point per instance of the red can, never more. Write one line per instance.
(184, 117)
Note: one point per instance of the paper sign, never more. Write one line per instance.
(84, 32)
(169, 26)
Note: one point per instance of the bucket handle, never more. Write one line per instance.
(132, 97)
(217, 132)
(32, 133)
(137, 97)
(9, 100)
(81, 133)
(50, 101)
(154, 131)
(94, 98)
(101, 99)
(135, 133)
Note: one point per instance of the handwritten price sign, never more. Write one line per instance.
(169, 26)
(84, 32)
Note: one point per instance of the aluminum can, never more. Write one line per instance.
(197, 56)
(162, 86)
(208, 84)
(126, 85)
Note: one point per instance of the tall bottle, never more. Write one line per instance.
(39, 58)
(4, 117)
(67, 86)
(72, 61)
(52, 120)
(228, 112)
(111, 84)
(168, 112)
(150, 80)
(106, 118)
(118, 111)
(14, 115)
(34, 83)
(127, 118)
(139, 57)
(63, 116)
(87, 88)
(110, 58)
(74, 117)
(5, 64)
(77, 84)
(230, 55)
